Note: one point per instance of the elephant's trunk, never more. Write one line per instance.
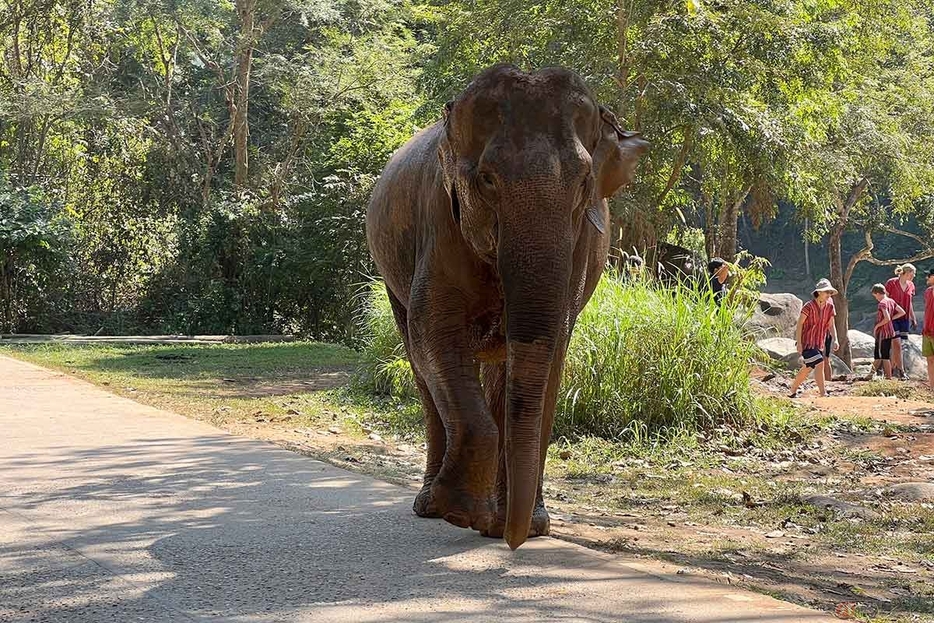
(535, 280)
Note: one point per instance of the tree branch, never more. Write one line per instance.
(678, 166)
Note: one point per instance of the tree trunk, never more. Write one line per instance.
(842, 319)
(837, 277)
(807, 251)
(246, 10)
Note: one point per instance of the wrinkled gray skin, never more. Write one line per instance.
(489, 229)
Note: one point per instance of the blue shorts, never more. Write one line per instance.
(812, 357)
(901, 328)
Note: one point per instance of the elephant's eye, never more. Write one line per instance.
(486, 180)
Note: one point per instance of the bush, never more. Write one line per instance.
(644, 360)
(387, 371)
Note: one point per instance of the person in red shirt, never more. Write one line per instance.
(811, 335)
(927, 331)
(884, 330)
(831, 343)
(901, 289)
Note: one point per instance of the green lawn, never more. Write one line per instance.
(223, 383)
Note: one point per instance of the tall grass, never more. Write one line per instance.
(386, 370)
(644, 360)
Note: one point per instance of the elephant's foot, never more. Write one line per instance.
(454, 506)
(540, 526)
(424, 505)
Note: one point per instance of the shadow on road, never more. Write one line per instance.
(229, 529)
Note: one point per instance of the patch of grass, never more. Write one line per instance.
(400, 417)
(891, 388)
(387, 371)
(226, 383)
(646, 359)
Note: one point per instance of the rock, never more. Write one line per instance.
(915, 364)
(775, 534)
(775, 315)
(838, 367)
(778, 348)
(861, 344)
(911, 491)
(785, 350)
(840, 508)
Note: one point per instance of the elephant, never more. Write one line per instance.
(489, 229)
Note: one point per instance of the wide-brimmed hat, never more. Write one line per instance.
(824, 286)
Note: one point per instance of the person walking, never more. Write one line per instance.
(901, 289)
(811, 335)
(888, 312)
(927, 330)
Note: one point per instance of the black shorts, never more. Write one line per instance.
(883, 349)
(812, 357)
(901, 328)
(828, 343)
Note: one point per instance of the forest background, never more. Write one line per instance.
(195, 166)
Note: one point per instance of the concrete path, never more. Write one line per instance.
(114, 511)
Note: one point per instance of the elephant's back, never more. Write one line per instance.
(404, 195)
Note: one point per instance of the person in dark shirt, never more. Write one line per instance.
(718, 271)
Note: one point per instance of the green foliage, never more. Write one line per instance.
(34, 244)
(387, 370)
(645, 359)
(882, 387)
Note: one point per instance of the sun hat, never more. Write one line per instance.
(823, 286)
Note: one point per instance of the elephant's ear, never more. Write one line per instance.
(446, 158)
(614, 159)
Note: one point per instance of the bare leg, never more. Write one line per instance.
(819, 377)
(802, 376)
(896, 361)
(887, 367)
(930, 362)
(828, 370)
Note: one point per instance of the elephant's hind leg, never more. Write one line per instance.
(434, 429)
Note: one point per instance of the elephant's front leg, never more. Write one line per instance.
(462, 491)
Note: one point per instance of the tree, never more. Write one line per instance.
(868, 160)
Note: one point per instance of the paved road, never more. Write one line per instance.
(113, 511)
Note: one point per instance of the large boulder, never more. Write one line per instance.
(775, 315)
(785, 350)
(915, 364)
(861, 344)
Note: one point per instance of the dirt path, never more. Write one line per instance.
(114, 511)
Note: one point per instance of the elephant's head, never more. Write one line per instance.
(525, 157)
